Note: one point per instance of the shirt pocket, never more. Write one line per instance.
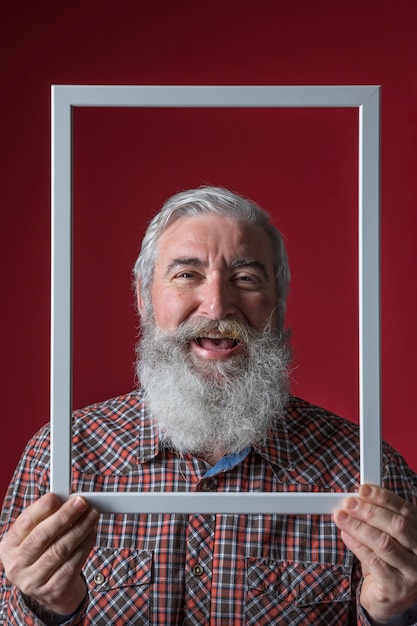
(297, 591)
(119, 582)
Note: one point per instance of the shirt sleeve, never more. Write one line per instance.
(19, 612)
(409, 618)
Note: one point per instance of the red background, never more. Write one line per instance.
(300, 165)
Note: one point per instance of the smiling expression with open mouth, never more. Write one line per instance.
(218, 270)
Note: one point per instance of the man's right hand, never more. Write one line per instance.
(45, 549)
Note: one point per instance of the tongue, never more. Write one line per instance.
(216, 344)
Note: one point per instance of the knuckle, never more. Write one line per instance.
(386, 543)
(401, 525)
(68, 570)
(64, 516)
(369, 512)
(59, 552)
(29, 588)
(25, 579)
(12, 569)
(37, 538)
(24, 521)
(358, 525)
(407, 511)
(375, 561)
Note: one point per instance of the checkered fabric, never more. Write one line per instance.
(229, 570)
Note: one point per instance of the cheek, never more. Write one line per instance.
(260, 309)
(170, 309)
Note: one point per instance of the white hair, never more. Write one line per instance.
(203, 407)
(218, 201)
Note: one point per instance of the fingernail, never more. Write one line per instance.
(351, 503)
(365, 491)
(342, 516)
(79, 503)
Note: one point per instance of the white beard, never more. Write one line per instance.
(204, 406)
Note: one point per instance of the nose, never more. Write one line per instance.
(216, 299)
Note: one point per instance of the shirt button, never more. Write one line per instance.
(198, 570)
(99, 578)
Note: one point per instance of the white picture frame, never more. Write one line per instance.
(367, 100)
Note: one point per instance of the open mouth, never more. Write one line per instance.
(216, 340)
(217, 343)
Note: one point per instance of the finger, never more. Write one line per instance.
(31, 517)
(73, 564)
(46, 531)
(396, 519)
(67, 552)
(371, 563)
(376, 548)
(393, 585)
(65, 589)
(388, 500)
(61, 550)
(54, 583)
(54, 540)
(386, 589)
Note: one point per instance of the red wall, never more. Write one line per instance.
(301, 166)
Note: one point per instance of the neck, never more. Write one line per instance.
(214, 456)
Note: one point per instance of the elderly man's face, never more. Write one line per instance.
(215, 268)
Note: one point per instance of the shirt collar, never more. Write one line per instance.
(276, 449)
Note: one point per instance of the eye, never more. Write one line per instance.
(246, 277)
(247, 280)
(186, 276)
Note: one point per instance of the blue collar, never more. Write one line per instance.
(227, 462)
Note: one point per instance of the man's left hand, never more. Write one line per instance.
(380, 528)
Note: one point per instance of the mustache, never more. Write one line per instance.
(201, 327)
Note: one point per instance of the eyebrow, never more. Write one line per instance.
(244, 262)
(235, 264)
(193, 261)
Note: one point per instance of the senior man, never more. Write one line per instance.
(213, 412)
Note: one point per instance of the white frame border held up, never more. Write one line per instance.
(364, 98)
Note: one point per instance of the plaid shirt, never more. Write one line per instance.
(229, 570)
